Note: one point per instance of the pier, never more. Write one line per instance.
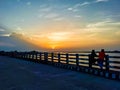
(72, 61)
(18, 74)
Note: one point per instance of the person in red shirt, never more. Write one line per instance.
(101, 58)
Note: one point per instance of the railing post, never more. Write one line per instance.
(90, 64)
(52, 56)
(36, 55)
(58, 57)
(40, 55)
(22, 55)
(107, 62)
(19, 55)
(32, 56)
(29, 54)
(77, 59)
(45, 56)
(67, 58)
(25, 55)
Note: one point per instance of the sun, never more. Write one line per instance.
(53, 47)
(57, 39)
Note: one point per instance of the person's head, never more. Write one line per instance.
(102, 50)
(93, 51)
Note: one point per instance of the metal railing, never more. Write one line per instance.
(74, 61)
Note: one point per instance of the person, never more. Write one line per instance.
(92, 58)
(101, 58)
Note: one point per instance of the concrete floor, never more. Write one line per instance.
(17, 74)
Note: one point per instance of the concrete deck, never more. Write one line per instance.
(17, 74)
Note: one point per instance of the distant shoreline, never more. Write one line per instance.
(114, 51)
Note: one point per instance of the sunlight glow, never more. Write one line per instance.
(58, 39)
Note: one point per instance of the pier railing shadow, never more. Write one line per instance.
(72, 61)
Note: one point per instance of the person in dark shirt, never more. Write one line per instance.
(92, 59)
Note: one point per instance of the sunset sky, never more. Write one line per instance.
(60, 24)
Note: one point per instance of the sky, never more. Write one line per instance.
(60, 24)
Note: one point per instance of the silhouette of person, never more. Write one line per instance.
(92, 58)
(101, 58)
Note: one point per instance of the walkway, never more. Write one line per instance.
(16, 74)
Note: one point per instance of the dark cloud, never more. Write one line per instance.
(16, 41)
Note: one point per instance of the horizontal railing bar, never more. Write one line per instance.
(63, 60)
(73, 61)
(83, 59)
(117, 62)
(82, 55)
(114, 57)
(62, 57)
(83, 62)
(117, 67)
